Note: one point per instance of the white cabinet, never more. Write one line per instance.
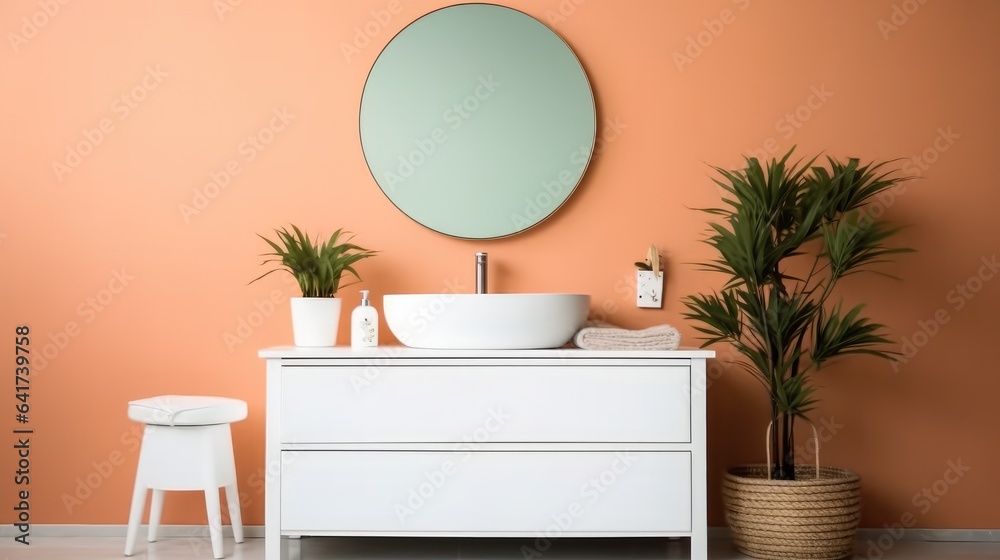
(525, 443)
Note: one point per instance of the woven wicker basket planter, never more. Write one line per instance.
(808, 518)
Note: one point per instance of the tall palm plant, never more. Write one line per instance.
(788, 234)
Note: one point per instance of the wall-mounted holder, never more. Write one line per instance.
(649, 288)
(649, 281)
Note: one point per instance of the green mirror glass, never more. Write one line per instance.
(477, 121)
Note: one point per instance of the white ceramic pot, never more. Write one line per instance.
(315, 321)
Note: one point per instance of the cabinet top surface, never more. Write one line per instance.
(346, 352)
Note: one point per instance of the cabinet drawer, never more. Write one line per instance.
(513, 493)
(440, 404)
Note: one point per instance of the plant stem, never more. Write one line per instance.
(788, 447)
(775, 444)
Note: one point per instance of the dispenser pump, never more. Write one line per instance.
(364, 298)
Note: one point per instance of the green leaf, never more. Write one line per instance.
(316, 266)
(836, 334)
(852, 244)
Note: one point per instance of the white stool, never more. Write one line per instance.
(187, 445)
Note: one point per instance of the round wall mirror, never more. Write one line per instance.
(477, 121)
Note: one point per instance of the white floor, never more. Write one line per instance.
(110, 548)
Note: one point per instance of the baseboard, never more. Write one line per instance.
(925, 535)
(932, 535)
(257, 531)
(164, 531)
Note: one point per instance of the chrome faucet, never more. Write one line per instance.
(481, 273)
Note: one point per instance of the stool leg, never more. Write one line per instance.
(214, 521)
(155, 510)
(135, 516)
(233, 499)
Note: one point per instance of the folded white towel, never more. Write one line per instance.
(599, 335)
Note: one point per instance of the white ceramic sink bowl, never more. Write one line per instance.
(485, 321)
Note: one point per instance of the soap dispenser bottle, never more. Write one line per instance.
(364, 324)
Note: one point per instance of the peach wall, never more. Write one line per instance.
(127, 296)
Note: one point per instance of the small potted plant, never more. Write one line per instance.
(318, 268)
(786, 237)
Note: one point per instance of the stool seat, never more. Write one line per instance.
(187, 410)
